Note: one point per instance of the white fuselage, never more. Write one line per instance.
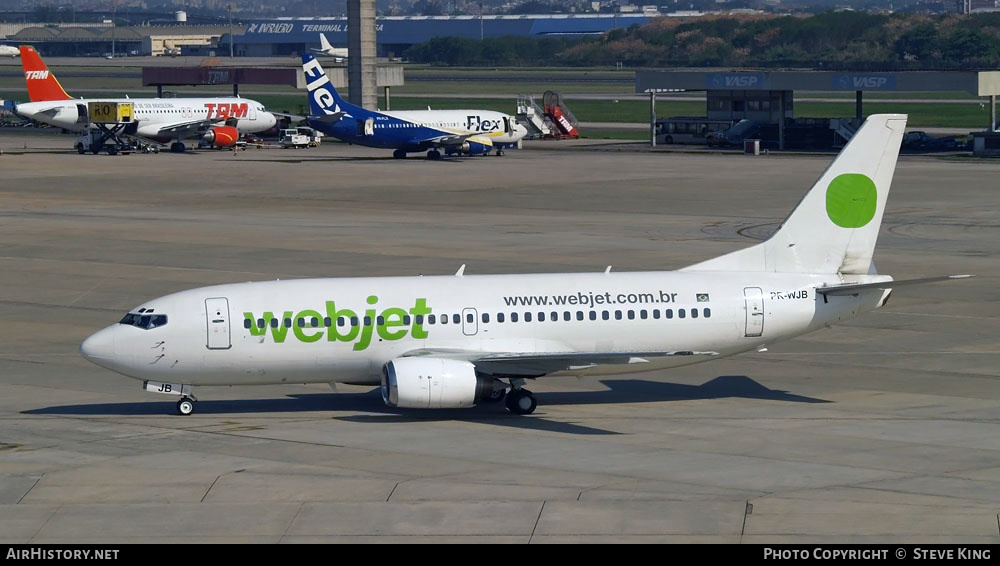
(9, 51)
(300, 331)
(156, 114)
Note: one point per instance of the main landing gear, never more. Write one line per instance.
(177, 147)
(520, 401)
(399, 154)
(434, 155)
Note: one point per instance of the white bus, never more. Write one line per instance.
(687, 129)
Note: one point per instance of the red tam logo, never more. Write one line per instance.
(226, 110)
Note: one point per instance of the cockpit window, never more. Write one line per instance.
(144, 321)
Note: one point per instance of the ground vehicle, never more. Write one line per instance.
(314, 136)
(292, 138)
(254, 140)
(95, 141)
(687, 129)
(744, 130)
(920, 140)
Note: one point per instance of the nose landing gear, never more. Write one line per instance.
(185, 406)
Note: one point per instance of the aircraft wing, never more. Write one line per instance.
(454, 139)
(537, 364)
(182, 129)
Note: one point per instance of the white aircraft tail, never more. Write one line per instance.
(324, 44)
(834, 227)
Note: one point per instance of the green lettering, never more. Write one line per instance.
(420, 309)
(393, 317)
(335, 315)
(366, 331)
(279, 332)
(300, 331)
(254, 329)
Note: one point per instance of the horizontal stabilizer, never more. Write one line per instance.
(854, 288)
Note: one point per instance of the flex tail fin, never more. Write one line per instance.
(323, 97)
(42, 84)
(834, 227)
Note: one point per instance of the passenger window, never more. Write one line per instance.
(288, 323)
(527, 317)
(706, 312)
(513, 317)
(314, 322)
(274, 323)
(605, 315)
(681, 313)
(618, 315)
(669, 313)
(694, 313)
(444, 319)
(456, 318)
(541, 317)
(246, 323)
(554, 316)
(643, 314)
(486, 317)
(368, 321)
(432, 319)
(381, 320)
(406, 320)
(499, 317)
(631, 314)
(470, 318)
(656, 314)
(261, 323)
(354, 321)
(341, 321)
(327, 322)
(566, 315)
(418, 319)
(301, 322)
(593, 315)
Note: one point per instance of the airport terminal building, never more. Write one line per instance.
(283, 37)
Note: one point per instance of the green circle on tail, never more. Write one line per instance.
(851, 199)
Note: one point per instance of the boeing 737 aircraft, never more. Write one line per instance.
(455, 341)
(469, 132)
(218, 121)
(339, 54)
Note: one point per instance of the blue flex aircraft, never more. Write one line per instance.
(461, 132)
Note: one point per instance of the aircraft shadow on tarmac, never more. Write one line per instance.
(619, 391)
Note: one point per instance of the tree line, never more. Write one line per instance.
(834, 40)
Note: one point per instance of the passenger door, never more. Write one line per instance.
(217, 319)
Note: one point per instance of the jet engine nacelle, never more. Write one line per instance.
(221, 136)
(435, 383)
(473, 148)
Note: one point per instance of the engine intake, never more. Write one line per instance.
(435, 383)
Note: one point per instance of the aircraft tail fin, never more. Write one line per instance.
(323, 97)
(324, 43)
(42, 84)
(834, 227)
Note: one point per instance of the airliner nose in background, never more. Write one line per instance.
(217, 120)
(455, 341)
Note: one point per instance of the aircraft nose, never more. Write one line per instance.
(100, 346)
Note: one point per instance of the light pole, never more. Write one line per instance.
(229, 7)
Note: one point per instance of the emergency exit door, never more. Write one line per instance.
(754, 299)
(217, 319)
(470, 321)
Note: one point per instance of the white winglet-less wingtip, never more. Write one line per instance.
(458, 340)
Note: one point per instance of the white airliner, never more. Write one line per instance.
(218, 121)
(9, 51)
(455, 341)
(339, 54)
